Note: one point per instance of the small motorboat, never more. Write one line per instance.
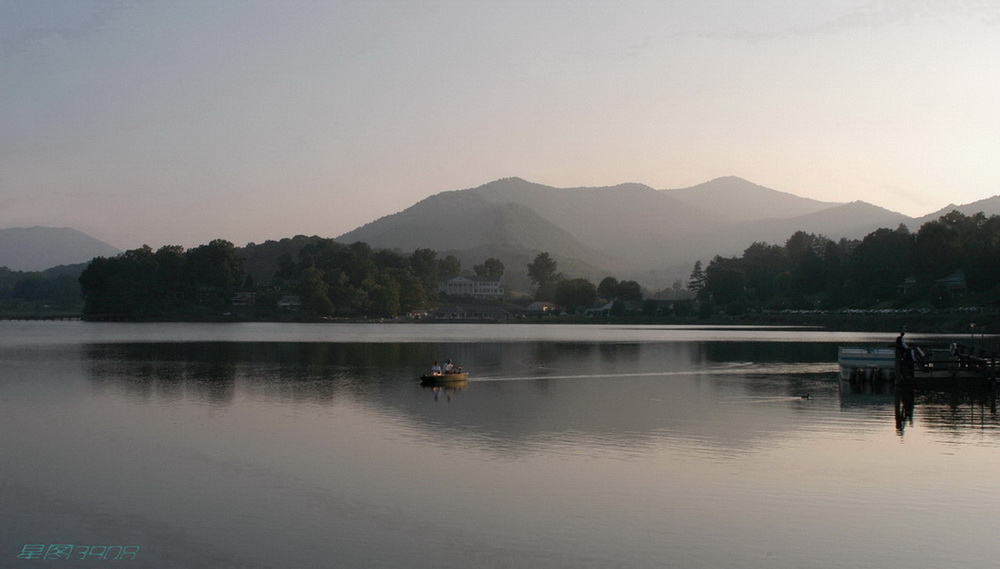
(444, 378)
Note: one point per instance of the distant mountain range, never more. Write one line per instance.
(628, 231)
(40, 248)
(989, 206)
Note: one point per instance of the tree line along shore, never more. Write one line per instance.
(941, 278)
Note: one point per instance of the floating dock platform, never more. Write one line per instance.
(867, 363)
(952, 367)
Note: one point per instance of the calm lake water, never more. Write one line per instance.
(266, 445)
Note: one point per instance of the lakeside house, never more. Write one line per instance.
(483, 288)
(954, 283)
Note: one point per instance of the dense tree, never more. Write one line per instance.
(696, 282)
(546, 292)
(980, 258)
(413, 296)
(30, 287)
(313, 292)
(725, 282)
(384, 293)
(607, 288)
(142, 284)
(628, 291)
(216, 271)
(127, 285)
(350, 300)
(886, 266)
(940, 246)
(449, 268)
(957, 242)
(879, 263)
(359, 262)
(171, 265)
(491, 268)
(424, 264)
(764, 269)
(101, 284)
(805, 256)
(543, 270)
(38, 291)
(330, 279)
(286, 266)
(387, 259)
(575, 294)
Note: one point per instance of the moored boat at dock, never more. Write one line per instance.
(928, 368)
(866, 362)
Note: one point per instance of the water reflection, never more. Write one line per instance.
(557, 453)
(214, 371)
(447, 391)
(770, 352)
(520, 394)
(722, 395)
(943, 410)
(950, 412)
(904, 402)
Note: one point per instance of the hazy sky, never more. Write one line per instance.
(172, 122)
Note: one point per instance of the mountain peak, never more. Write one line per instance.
(512, 182)
(628, 229)
(38, 248)
(743, 200)
(730, 180)
(988, 206)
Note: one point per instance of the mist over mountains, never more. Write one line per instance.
(629, 230)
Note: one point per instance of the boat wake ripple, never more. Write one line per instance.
(737, 369)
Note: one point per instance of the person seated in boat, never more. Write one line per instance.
(450, 367)
(436, 368)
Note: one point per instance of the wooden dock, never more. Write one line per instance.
(955, 372)
(936, 368)
(949, 369)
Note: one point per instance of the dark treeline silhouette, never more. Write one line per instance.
(954, 255)
(326, 279)
(171, 281)
(576, 295)
(358, 281)
(888, 268)
(35, 292)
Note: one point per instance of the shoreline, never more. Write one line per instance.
(952, 322)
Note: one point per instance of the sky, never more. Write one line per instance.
(178, 122)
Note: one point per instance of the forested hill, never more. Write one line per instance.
(382, 269)
(947, 262)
